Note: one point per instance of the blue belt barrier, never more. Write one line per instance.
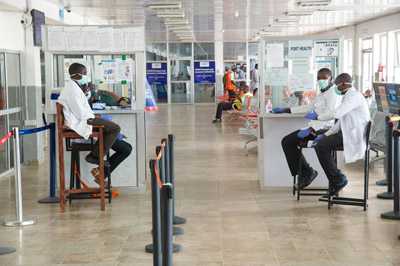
(52, 198)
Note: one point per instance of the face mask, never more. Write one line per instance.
(83, 81)
(323, 84)
(338, 92)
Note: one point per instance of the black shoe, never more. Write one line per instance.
(337, 187)
(216, 121)
(90, 158)
(305, 181)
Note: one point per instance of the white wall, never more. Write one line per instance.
(11, 31)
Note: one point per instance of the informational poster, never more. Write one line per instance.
(156, 73)
(204, 72)
(300, 48)
(327, 48)
(94, 38)
(115, 71)
(275, 55)
(125, 70)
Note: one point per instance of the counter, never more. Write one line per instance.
(273, 170)
(131, 173)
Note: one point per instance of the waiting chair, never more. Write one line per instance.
(64, 133)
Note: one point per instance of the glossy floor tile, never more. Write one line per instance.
(230, 220)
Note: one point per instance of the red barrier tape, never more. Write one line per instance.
(6, 137)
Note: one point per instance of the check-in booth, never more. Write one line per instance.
(115, 61)
(289, 74)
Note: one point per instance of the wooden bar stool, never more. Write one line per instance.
(65, 133)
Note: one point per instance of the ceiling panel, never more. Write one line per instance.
(239, 18)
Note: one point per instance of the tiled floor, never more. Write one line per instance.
(230, 220)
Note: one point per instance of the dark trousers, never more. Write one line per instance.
(325, 152)
(110, 134)
(122, 150)
(222, 106)
(290, 145)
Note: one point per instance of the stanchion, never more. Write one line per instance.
(18, 188)
(167, 166)
(395, 214)
(389, 164)
(171, 143)
(6, 250)
(52, 198)
(166, 237)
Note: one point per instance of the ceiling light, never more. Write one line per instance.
(181, 15)
(165, 5)
(176, 22)
(299, 13)
(287, 20)
(236, 13)
(187, 27)
(313, 3)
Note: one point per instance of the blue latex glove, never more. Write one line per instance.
(318, 139)
(303, 133)
(312, 115)
(278, 110)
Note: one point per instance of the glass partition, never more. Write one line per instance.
(156, 52)
(204, 68)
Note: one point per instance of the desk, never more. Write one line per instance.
(273, 170)
(131, 173)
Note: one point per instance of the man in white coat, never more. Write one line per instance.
(348, 133)
(78, 114)
(318, 112)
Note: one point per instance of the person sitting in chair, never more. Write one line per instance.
(80, 118)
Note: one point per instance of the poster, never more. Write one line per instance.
(156, 73)
(300, 48)
(204, 72)
(327, 48)
(275, 55)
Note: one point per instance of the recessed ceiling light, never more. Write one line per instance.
(313, 3)
(236, 13)
(299, 13)
(165, 5)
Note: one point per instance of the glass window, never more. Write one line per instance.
(3, 92)
(156, 52)
(204, 51)
(13, 70)
(234, 51)
(177, 50)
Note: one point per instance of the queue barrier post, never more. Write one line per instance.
(389, 160)
(395, 214)
(167, 167)
(167, 232)
(52, 198)
(156, 218)
(171, 155)
(18, 187)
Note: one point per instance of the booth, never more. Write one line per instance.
(289, 74)
(115, 60)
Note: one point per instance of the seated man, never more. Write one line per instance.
(348, 132)
(80, 118)
(236, 103)
(320, 111)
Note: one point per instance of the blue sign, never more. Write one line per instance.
(204, 72)
(156, 73)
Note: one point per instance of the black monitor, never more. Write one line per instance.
(38, 19)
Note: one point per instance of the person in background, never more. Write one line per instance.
(236, 103)
(229, 86)
(255, 78)
(80, 118)
(319, 113)
(348, 133)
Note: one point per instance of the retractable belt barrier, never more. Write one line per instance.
(162, 187)
(16, 133)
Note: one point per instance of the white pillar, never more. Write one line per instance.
(219, 46)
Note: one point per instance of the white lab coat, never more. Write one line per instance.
(324, 105)
(352, 118)
(76, 109)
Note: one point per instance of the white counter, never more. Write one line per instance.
(131, 173)
(273, 170)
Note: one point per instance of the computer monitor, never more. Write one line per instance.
(393, 97)
(381, 97)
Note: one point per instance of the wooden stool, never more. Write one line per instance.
(65, 133)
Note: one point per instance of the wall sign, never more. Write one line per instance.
(327, 48)
(303, 48)
(156, 73)
(204, 72)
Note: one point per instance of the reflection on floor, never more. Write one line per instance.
(230, 220)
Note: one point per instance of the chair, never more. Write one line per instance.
(65, 133)
(305, 191)
(363, 202)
